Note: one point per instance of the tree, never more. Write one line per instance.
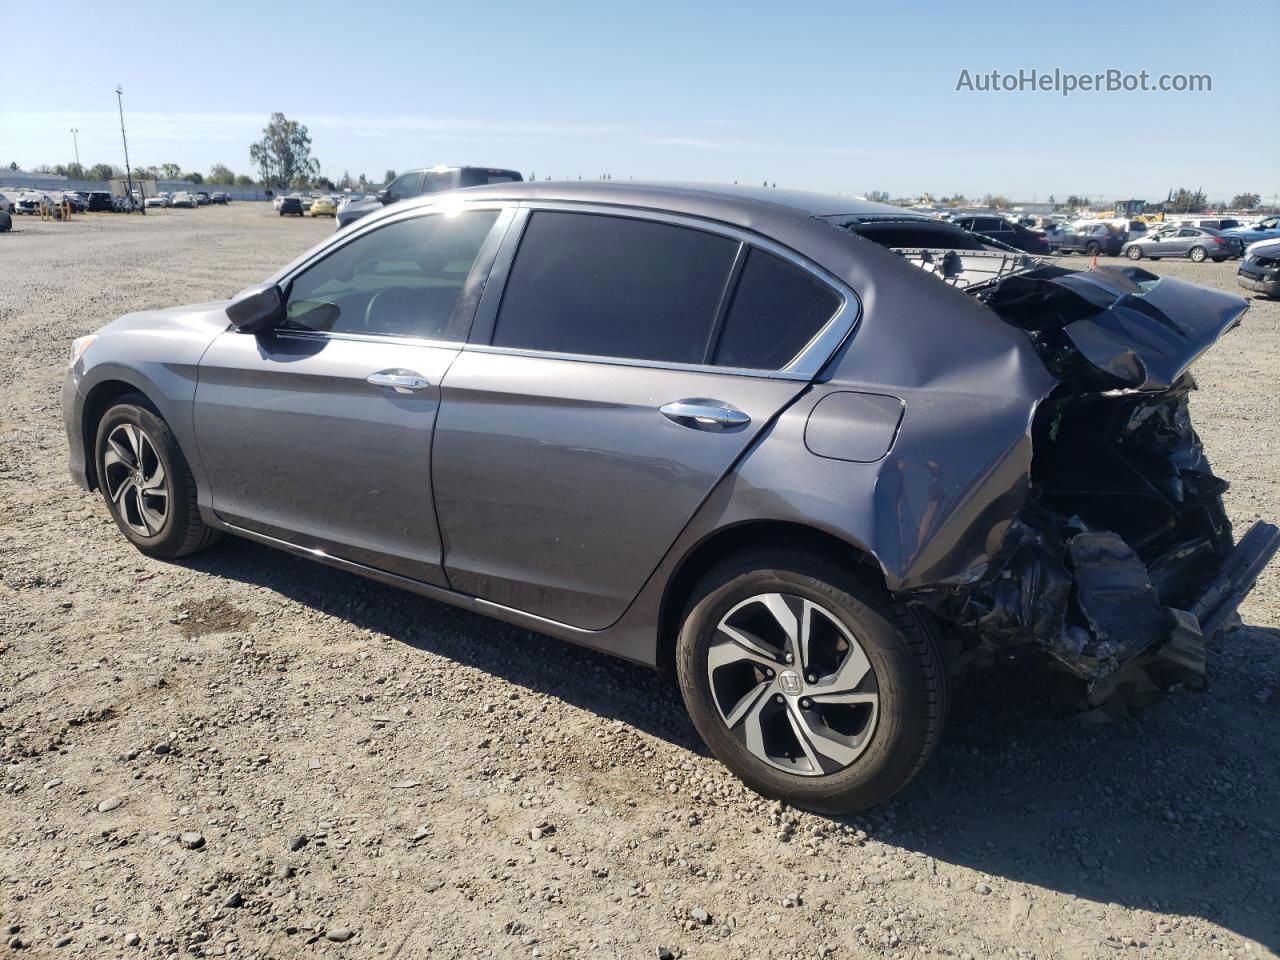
(1183, 200)
(194, 177)
(388, 176)
(283, 155)
(877, 196)
(995, 202)
(13, 165)
(1246, 201)
(244, 180)
(101, 171)
(345, 182)
(363, 182)
(221, 173)
(170, 171)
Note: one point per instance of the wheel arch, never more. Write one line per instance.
(733, 539)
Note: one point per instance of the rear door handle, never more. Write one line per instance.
(401, 381)
(701, 414)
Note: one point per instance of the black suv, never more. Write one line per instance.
(1010, 234)
(427, 180)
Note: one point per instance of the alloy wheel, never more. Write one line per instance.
(793, 685)
(135, 479)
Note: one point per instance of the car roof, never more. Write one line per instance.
(745, 206)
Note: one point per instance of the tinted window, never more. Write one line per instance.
(474, 177)
(433, 181)
(403, 279)
(776, 309)
(401, 188)
(614, 287)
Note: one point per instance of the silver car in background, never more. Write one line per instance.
(807, 455)
(1195, 243)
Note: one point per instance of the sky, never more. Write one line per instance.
(840, 97)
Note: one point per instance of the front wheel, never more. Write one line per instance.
(1199, 254)
(811, 683)
(1093, 249)
(146, 483)
(1134, 252)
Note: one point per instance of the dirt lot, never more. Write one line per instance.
(247, 754)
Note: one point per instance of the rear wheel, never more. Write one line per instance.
(1134, 252)
(146, 483)
(812, 684)
(1199, 254)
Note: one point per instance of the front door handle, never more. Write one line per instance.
(701, 414)
(401, 381)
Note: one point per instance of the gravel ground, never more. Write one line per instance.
(246, 754)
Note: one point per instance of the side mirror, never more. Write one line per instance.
(256, 309)
(384, 196)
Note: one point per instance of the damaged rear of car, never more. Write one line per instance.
(1121, 563)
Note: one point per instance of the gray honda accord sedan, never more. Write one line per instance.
(809, 456)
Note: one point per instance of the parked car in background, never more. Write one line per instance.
(151, 202)
(1267, 228)
(6, 221)
(7, 203)
(218, 197)
(1004, 231)
(1260, 269)
(74, 200)
(324, 207)
(584, 390)
(100, 201)
(202, 198)
(415, 183)
(1091, 239)
(183, 199)
(1197, 243)
(291, 205)
(28, 204)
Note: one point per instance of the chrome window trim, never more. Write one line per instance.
(455, 345)
(805, 365)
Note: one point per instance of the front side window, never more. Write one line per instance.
(404, 187)
(776, 310)
(404, 279)
(614, 287)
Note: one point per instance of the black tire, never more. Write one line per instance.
(1198, 254)
(1092, 248)
(900, 643)
(1134, 252)
(182, 532)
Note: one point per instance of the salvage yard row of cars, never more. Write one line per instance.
(95, 201)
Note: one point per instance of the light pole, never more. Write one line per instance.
(76, 144)
(128, 171)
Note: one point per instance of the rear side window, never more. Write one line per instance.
(776, 309)
(614, 287)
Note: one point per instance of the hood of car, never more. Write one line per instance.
(357, 209)
(196, 319)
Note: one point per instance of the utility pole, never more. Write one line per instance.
(76, 144)
(128, 171)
